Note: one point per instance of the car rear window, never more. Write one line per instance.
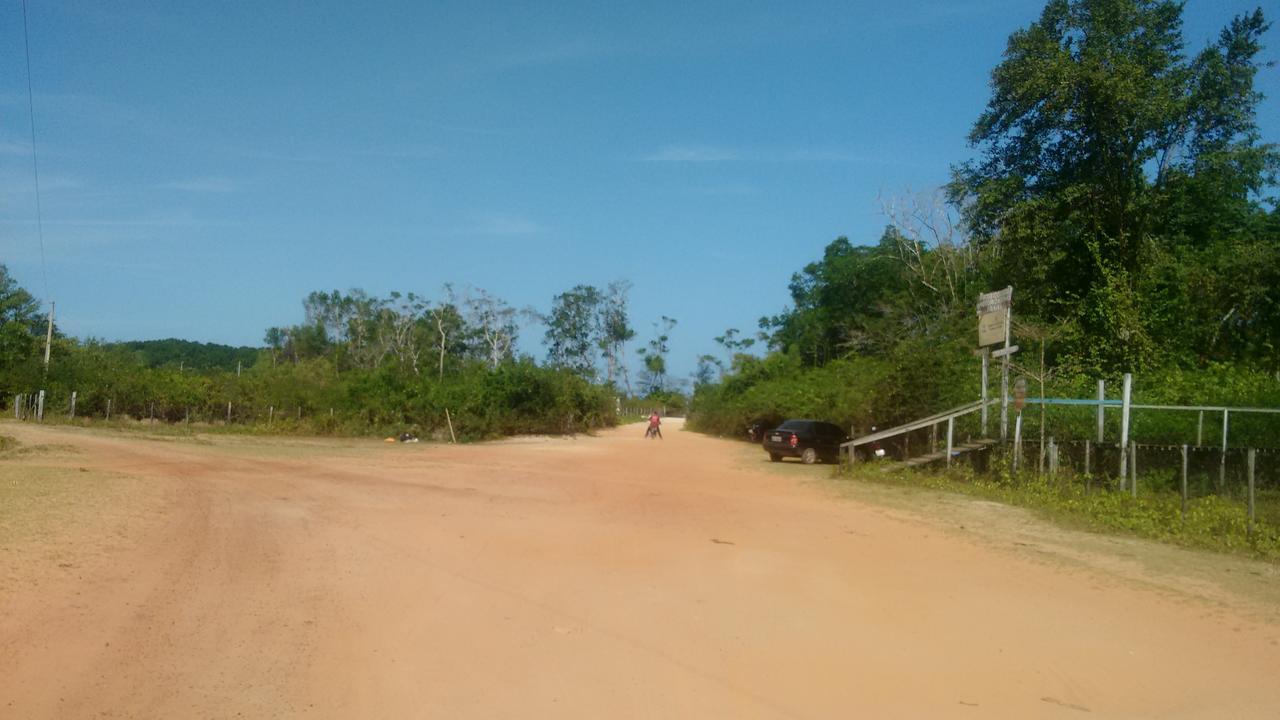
(794, 425)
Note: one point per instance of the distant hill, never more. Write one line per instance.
(193, 355)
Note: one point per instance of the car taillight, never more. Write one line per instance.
(794, 440)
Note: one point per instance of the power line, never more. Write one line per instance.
(35, 162)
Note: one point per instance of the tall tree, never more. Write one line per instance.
(615, 330)
(17, 305)
(1095, 113)
(573, 330)
(655, 356)
(494, 321)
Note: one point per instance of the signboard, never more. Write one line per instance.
(998, 301)
(991, 327)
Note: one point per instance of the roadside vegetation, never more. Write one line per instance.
(357, 365)
(1121, 186)
(1211, 522)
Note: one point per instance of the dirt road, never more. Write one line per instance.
(607, 577)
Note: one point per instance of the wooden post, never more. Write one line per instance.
(1004, 397)
(1184, 482)
(1124, 426)
(1222, 463)
(933, 438)
(986, 360)
(40, 408)
(271, 413)
(1087, 446)
(951, 426)
(1252, 455)
(237, 368)
(73, 405)
(17, 406)
(108, 408)
(453, 438)
(186, 417)
(228, 412)
(1133, 467)
(1200, 430)
(1102, 397)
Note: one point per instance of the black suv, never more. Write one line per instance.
(809, 440)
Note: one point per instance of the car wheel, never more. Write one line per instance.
(775, 457)
(809, 456)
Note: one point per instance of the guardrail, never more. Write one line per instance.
(847, 448)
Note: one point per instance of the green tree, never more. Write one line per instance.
(655, 357)
(1097, 128)
(615, 331)
(573, 330)
(17, 305)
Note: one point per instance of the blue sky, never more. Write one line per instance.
(206, 165)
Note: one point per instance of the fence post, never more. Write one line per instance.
(1087, 447)
(1124, 426)
(1200, 430)
(1222, 462)
(73, 404)
(1253, 452)
(1053, 458)
(1133, 467)
(985, 361)
(1017, 441)
(17, 406)
(40, 408)
(933, 438)
(1184, 483)
(271, 413)
(108, 408)
(1102, 397)
(228, 412)
(951, 424)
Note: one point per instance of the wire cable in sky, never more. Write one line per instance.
(35, 162)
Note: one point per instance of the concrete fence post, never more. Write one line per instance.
(1102, 397)
(1126, 394)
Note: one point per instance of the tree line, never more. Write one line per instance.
(358, 362)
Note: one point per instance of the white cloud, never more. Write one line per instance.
(503, 225)
(691, 154)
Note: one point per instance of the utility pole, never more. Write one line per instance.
(48, 338)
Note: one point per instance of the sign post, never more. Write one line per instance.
(995, 315)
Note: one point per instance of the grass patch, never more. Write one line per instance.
(1211, 523)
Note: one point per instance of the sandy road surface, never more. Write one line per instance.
(593, 577)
